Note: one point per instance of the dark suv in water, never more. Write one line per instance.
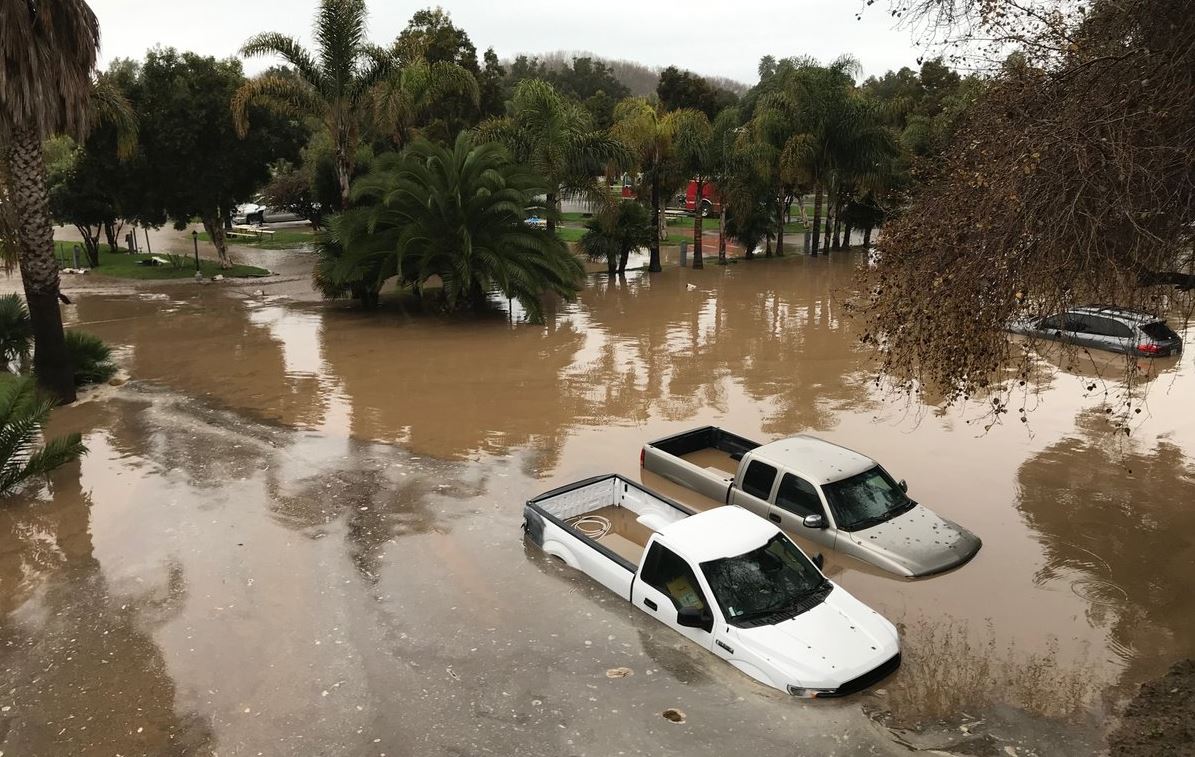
(1106, 328)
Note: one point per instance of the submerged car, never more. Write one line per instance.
(1105, 328)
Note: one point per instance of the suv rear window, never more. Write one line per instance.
(1159, 331)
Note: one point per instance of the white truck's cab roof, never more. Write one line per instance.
(818, 461)
(721, 532)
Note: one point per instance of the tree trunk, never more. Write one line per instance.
(612, 264)
(622, 261)
(722, 236)
(215, 230)
(698, 225)
(780, 226)
(817, 219)
(827, 238)
(767, 252)
(654, 266)
(344, 175)
(39, 267)
(837, 243)
(846, 235)
(110, 233)
(91, 243)
(550, 209)
(866, 237)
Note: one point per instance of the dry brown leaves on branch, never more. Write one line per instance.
(1071, 183)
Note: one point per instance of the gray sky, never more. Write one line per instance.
(725, 38)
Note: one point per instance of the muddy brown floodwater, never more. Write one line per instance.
(298, 531)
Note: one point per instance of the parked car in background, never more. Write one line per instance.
(833, 496)
(254, 214)
(1105, 328)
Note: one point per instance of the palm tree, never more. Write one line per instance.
(614, 233)
(650, 133)
(694, 154)
(23, 415)
(457, 214)
(47, 57)
(337, 86)
(555, 137)
(401, 102)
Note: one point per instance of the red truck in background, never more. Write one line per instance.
(711, 201)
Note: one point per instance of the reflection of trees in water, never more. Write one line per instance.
(210, 347)
(772, 327)
(454, 388)
(79, 659)
(1115, 522)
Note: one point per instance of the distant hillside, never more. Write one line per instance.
(638, 78)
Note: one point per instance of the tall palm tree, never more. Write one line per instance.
(650, 132)
(336, 85)
(556, 138)
(457, 214)
(694, 155)
(47, 57)
(23, 415)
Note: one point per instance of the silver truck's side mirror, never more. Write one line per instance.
(814, 521)
(904, 486)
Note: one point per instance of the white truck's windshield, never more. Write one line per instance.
(773, 580)
(866, 499)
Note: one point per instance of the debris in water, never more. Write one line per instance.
(673, 715)
(619, 673)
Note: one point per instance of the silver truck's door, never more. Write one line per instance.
(667, 584)
(752, 489)
(797, 499)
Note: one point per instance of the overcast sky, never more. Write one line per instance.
(725, 38)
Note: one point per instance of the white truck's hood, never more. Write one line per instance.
(825, 647)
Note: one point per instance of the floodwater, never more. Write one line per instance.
(298, 531)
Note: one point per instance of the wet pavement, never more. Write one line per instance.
(298, 532)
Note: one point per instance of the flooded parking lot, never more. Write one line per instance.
(297, 531)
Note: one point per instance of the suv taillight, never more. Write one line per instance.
(1149, 348)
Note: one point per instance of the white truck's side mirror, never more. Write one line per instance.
(814, 521)
(904, 486)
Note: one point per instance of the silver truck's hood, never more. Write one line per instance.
(920, 540)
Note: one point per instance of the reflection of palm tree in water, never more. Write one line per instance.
(86, 675)
(1115, 522)
(771, 327)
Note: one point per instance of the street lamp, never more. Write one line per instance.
(195, 241)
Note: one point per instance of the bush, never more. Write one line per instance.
(91, 358)
(16, 331)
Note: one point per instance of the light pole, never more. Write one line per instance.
(195, 241)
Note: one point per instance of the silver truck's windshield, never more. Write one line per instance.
(773, 580)
(866, 499)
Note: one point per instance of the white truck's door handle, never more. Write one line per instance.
(651, 604)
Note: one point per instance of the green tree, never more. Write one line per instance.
(694, 159)
(423, 95)
(23, 416)
(684, 89)
(649, 132)
(335, 86)
(613, 234)
(555, 137)
(47, 57)
(457, 214)
(195, 164)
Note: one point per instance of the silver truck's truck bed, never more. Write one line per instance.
(704, 459)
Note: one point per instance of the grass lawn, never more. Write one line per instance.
(121, 265)
(283, 239)
(569, 234)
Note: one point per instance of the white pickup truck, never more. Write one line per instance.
(726, 579)
(835, 497)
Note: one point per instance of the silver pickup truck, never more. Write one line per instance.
(833, 496)
(725, 579)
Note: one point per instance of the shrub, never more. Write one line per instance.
(91, 358)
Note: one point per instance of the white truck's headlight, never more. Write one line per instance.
(797, 691)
